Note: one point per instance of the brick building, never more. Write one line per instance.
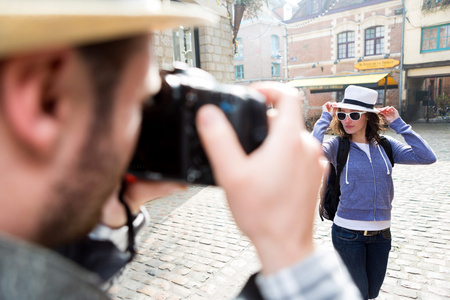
(261, 47)
(321, 47)
(335, 44)
(426, 59)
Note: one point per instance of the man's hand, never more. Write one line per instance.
(272, 192)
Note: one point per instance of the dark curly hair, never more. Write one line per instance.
(373, 128)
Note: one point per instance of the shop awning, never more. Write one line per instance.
(339, 83)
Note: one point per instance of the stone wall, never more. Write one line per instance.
(216, 48)
(164, 48)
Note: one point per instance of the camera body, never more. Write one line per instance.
(169, 147)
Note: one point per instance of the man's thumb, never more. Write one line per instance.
(219, 140)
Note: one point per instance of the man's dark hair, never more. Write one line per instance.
(97, 161)
(106, 62)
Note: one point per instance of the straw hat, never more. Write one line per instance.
(359, 98)
(27, 25)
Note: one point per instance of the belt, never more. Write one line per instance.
(371, 233)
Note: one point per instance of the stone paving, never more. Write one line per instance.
(193, 250)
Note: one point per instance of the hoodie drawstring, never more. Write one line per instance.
(348, 159)
(385, 162)
(346, 169)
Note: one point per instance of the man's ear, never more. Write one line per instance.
(31, 97)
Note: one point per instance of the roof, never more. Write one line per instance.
(329, 7)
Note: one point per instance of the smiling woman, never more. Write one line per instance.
(360, 232)
(355, 124)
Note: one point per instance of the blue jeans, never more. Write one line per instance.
(366, 257)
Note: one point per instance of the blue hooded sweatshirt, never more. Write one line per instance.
(367, 189)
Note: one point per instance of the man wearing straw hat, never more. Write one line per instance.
(73, 78)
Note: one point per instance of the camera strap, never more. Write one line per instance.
(130, 218)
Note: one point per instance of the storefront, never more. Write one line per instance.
(326, 84)
(428, 90)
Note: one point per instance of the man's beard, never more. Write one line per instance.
(79, 195)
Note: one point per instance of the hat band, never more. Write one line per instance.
(359, 103)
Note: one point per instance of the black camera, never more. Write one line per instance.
(169, 147)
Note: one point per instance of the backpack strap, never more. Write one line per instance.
(384, 142)
(341, 159)
(342, 154)
(329, 199)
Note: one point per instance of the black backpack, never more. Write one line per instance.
(330, 198)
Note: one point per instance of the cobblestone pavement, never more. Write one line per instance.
(193, 250)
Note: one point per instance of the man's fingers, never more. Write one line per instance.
(219, 140)
(286, 100)
(272, 115)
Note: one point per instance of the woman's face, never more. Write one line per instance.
(354, 127)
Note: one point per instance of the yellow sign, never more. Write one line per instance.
(328, 87)
(377, 64)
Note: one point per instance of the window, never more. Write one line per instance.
(339, 96)
(374, 41)
(436, 38)
(314, 6)
(275, 70)
(239, 72)
(275, 43)
(184, 46)
(346, 44)
(380, 97)
(239, 49)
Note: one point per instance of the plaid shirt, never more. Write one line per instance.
(319, 276)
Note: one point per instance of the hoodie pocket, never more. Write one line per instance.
(384, 194)
(358, 194)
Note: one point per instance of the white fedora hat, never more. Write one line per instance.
(27, 25)
(359, 98)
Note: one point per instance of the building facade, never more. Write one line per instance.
(335, 44)
(207, 47)
(426, 66)
(261, 48)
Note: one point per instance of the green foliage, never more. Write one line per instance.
(252, 7)
(433, 5)
(442, 101)
(251, 10)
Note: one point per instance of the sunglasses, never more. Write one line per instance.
(355, 116)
